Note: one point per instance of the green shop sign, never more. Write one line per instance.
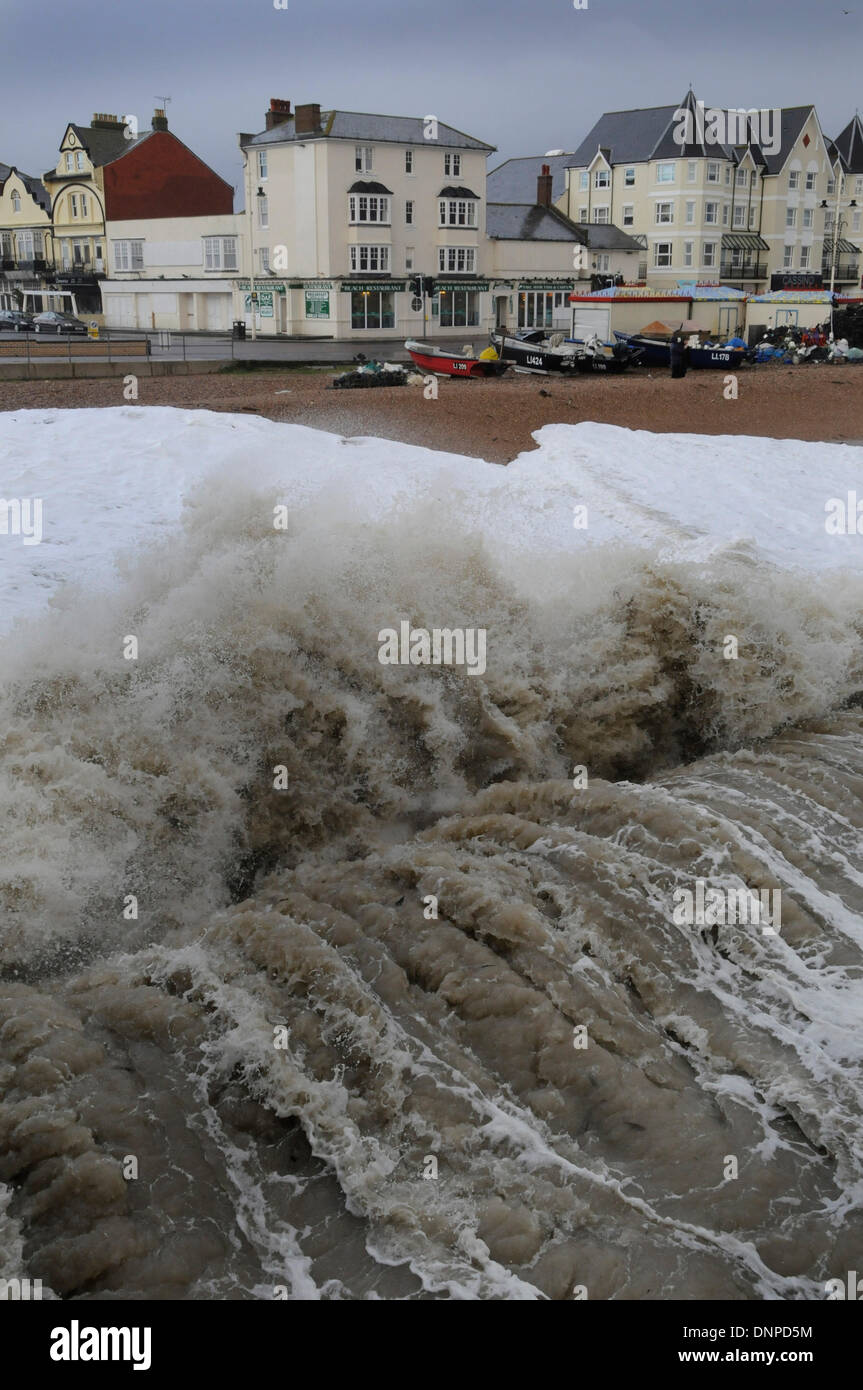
(480, 286)
(358, 287)
(264, 302)
(317, 304)
(263, 286)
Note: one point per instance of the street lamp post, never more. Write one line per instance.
(252, 291)
(838, 224)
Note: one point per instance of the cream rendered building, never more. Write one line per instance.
(707, 211)
(174, 274)
(25, 234)
(346, 208)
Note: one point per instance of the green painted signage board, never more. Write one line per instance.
(368, 287)
(317, 304)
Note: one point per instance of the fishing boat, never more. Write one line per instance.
(656, 352)
(532, 351)
(592, 355)
(445, 362)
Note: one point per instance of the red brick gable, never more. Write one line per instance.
(160, 177)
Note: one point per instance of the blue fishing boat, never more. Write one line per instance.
(656, 352)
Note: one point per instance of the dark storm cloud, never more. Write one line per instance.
(526, 75)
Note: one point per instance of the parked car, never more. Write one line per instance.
(53, 322)
(14, 321)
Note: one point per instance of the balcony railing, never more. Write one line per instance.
(24, 267)
(846, 272)
(743, 270)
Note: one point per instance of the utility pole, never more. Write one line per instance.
(251, 247)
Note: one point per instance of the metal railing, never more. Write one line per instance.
(743, 270)
(845, 271)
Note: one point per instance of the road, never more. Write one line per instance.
(217, 347)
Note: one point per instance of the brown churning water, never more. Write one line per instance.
(421, 1023)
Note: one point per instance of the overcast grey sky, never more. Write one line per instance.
(525, 75)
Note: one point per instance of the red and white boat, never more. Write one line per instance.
(445, 362)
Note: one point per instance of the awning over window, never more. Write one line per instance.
(370, 187)
(846, 248)
(743, 241)
(451, 192)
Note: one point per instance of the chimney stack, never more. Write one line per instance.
(279, 112)
(308, 120)
(102, 122)
(160, 120)
(544, 186)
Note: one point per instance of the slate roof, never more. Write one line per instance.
(103, 145)
(605, 236)
(451, 192)
(630, 136)
(358, 125)
(633, 137)
(369, 186)
(850, 146)
(530, 222)
(33, 185)
(515, 181)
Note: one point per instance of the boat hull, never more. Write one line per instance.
(533, 357)
(442, 363)
(658, 354)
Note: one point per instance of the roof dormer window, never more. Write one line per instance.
(16, 201)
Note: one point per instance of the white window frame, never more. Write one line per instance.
(263, 174)
(628, 215)
(692, 170)
(739, 219)
(457, 260)
(711, 214)
(129, 254)
(794, 181)
(369, 208)
(713, 171)
(629, 178)
(664, 214)
(811, 179)
(584, 181)
(791, 217)
(263, 212)
(371, 259)
(409, 212)
(16, 200)
(602, 178)
(602, 215)
(690, 212)
(452, 166)
(709, 253)
(808, 217)
(409, 163)
(805, 257)
(364, 158)
(788, 258)
(663, 254)
(458, 212)
(220, 253)
(666, 172)
(688, 247)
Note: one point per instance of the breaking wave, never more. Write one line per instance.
(239, 1052)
